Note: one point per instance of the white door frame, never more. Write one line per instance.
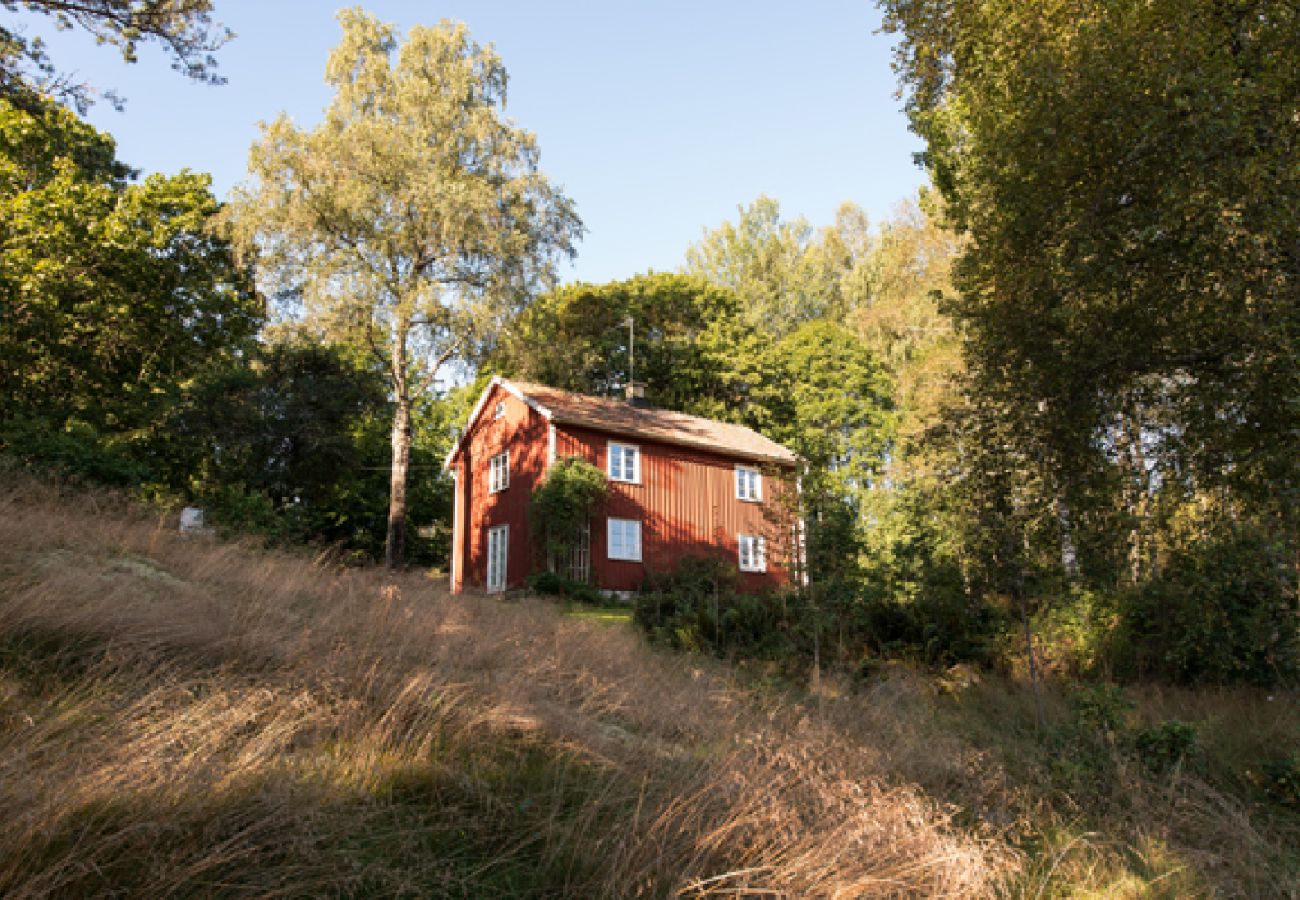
(498, 539)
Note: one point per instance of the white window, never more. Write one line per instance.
(625, 539)
(500, 410)
(749, 484)
(498, 546)
(499, 472)
(625, 463)
(753, 553)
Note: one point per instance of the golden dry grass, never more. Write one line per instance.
(191, 717)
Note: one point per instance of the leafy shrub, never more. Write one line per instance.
(1087, 749)
(1073, 632)
(548, 584)
(699, 607)
(551, 584)
(1092, 751)
(235, 508)
(1167, 744)
(1102, 708)
(1281, 779)
(1220, 611)
(940, 629)
(73, 449)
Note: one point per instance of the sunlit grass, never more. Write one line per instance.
(600, 614)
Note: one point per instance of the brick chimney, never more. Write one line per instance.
(636, 394)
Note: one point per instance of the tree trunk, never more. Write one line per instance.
(395, 543)
(1065, 532)
(1139, 498)
(1023, 602)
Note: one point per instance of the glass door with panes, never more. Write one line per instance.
(497, 550)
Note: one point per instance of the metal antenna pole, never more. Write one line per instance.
(631, 349)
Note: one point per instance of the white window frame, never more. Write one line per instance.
(499, 472)
(749, 484)
(499, 410)
(497, 573)
(610, 525)
(636, 464)
(752, 552)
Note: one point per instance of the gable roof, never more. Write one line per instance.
(621, 418)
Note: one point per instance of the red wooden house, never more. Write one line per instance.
(679, 486)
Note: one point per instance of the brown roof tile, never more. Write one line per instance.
(620, 417)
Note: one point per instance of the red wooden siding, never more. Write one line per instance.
(524, 433)
(686, 503)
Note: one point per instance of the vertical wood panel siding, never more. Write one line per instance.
(687, 505)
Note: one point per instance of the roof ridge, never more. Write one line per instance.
(651, 422)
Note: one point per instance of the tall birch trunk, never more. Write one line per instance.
(395, 542)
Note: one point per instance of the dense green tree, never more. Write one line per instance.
(413, 220)
(1124, 178)
(1126, 173)
(113, 294)
(285, 423)
(693, 350)
(183, 28)
(784, 271)
(292, 442)
(837, 414)
(841, 403)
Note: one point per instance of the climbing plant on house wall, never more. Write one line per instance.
(562, 507)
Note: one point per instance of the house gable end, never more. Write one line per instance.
(482, 406)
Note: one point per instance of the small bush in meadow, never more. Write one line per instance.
(1165, 745)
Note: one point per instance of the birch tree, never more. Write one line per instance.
(412, 220)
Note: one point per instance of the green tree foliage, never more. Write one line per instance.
(883, 284)
(1126, 172)
(292, 443)
(784, 271)
(840, 404)
(837, 415)
(694, 352)
(115, 294)
(894, 307)
(413, 220)
(1124, 175)
(289, 425)
(183, 28)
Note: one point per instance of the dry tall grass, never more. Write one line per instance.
(191, 717)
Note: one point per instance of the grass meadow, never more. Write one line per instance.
(198, 717)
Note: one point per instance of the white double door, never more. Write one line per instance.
(498, 549)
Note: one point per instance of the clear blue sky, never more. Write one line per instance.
(659, 119)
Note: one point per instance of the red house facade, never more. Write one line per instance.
(679, 486)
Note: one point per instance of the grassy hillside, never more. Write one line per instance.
(193, 717)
